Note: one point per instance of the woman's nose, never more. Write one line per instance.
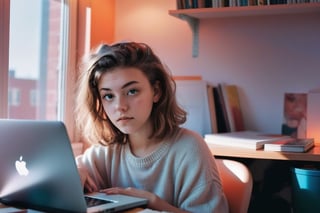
(122, 104)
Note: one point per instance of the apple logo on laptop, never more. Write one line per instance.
(21, 167)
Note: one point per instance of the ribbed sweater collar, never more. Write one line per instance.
(149, 160)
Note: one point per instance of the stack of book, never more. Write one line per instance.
(243, 139)
(258, 140)
(290, 145)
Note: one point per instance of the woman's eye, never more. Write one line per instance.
(132, 92)
(108, 97)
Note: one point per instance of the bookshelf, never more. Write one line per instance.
(194, 15)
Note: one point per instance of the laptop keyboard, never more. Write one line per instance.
(95, 201)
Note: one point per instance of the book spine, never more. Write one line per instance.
(221, 115)
(212, 110)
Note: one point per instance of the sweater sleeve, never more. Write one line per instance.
(91, 164)
(197, 179)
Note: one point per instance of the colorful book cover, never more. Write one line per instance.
(294, 115)
(233, 107)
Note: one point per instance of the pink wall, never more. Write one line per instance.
(265, 56)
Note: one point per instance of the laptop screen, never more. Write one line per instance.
(38, 171)
(37, 166)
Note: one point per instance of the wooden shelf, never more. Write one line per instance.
(223, 12)
(192, 16)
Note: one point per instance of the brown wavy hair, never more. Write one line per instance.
(91, 119)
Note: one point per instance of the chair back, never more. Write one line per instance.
(237, 184)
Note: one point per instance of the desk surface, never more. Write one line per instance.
(226, 151)
(9, 209)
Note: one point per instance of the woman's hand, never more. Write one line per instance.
(155, 202)
(87, 182)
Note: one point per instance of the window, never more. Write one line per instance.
(34, 56)
(37, 59)
(33, 97)
(14, 97)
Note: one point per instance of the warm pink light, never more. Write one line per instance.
(314, 132)
(313, 115)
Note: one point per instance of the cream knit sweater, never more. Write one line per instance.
(181, 171)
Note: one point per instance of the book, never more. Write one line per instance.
(295, 115)
(180, 4)
(243, 139)
(212, 109)
(201, 3)
(290, 145)
(233, 107)
(197, 107)
(221, 114)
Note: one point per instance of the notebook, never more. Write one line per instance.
(38, 171)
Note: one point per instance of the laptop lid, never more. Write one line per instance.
(38, 170)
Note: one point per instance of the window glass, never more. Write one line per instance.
(34, 58)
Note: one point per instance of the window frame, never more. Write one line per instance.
(68, 79)
(4, 55)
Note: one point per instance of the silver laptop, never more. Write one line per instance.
(38, 171)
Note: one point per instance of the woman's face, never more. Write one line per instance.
(127, 99)
(295, 106)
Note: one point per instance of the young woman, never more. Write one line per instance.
(127, 109)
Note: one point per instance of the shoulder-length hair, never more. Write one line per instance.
(92, 121)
